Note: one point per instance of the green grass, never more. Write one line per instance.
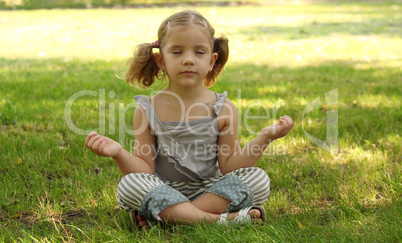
(53, 189)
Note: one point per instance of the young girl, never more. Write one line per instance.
(187, 165)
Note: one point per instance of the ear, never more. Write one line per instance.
(158, 58)
(214, 57)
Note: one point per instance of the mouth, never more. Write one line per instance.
(188, 72)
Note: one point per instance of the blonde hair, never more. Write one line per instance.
(143, 68)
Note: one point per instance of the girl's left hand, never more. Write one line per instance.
(278, 130)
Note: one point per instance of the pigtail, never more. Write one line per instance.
(221, 47)
(142, 67)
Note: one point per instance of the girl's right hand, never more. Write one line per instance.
(101, 145)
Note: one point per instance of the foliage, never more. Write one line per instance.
(48, 4)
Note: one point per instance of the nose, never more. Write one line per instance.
(188, 59)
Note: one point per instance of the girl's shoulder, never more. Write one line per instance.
(227, 116)
(228, 107)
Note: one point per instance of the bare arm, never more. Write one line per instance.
(230, 155)
(143, 158)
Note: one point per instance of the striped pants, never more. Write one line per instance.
(149, 195)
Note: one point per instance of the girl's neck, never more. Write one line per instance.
(188, 93)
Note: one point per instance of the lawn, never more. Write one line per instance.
(59, 79)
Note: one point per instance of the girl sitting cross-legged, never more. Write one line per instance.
(187, 165)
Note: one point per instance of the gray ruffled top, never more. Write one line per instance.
(186, 150)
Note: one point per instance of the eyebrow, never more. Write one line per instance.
(180, 46)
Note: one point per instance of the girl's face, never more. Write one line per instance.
(187, 55)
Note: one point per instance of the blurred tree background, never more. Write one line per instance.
(37, 4)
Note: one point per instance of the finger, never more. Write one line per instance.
(282, 121)
(102, 147)
(97, 143)
(89, 137)
(289, 120)
(93, 140)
